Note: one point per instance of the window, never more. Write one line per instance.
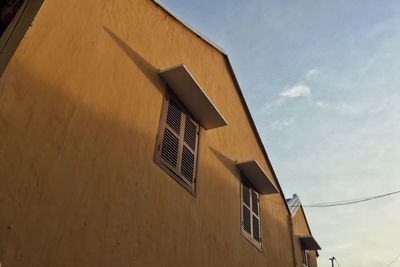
(8, 10)
(177, 143)
(306, 258)
(250, 207)
(16, 17)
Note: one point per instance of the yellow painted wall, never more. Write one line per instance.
(300, 229)
(80, 104)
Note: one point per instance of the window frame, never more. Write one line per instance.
(162, 163)
(249, 236)
(9, 30)
(306, 260)
(16, 31)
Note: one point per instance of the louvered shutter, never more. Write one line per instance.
(178, 146)
(251, 214)
(171, 135)
(246, 214)
(255, 219)
(308, 259)
(189, 151)
(304, 257)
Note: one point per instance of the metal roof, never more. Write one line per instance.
(294, 203)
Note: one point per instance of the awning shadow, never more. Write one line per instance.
(227, 162)
(145, 67)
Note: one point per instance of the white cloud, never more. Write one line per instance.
(296, 90)
(327, 105)
(279, 125)
(312, 73)
(267, 108)
(280, 101)
(354, 108)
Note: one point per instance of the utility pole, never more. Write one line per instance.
(332, 259)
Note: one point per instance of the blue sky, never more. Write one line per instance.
(322, 82)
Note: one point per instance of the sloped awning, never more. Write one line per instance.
(308, 242)
(185, 87)
(256, 175)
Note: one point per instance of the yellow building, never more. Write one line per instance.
(305, 246)
(125, 140)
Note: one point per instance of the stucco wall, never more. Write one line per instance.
(80, 104)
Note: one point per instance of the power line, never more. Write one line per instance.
(347, 202)
(352, 201)
(398, 256)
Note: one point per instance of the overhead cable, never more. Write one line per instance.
(346, 202)
(395, 259)
(337, 263)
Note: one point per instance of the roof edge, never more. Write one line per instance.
(304, 214)
(253, 126)
(199, 34)
(305, 218)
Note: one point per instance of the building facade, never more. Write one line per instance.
(305, 246)
(125, 140)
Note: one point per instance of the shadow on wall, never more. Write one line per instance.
(273, 227)
(227, 162)
(68, 171)
(145, 67)
(70, 190)
(272, 220)
(67, 177)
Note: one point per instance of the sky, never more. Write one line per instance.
(321, 79)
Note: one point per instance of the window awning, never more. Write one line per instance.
(308, 242)
(186, 88)
(256, 175)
